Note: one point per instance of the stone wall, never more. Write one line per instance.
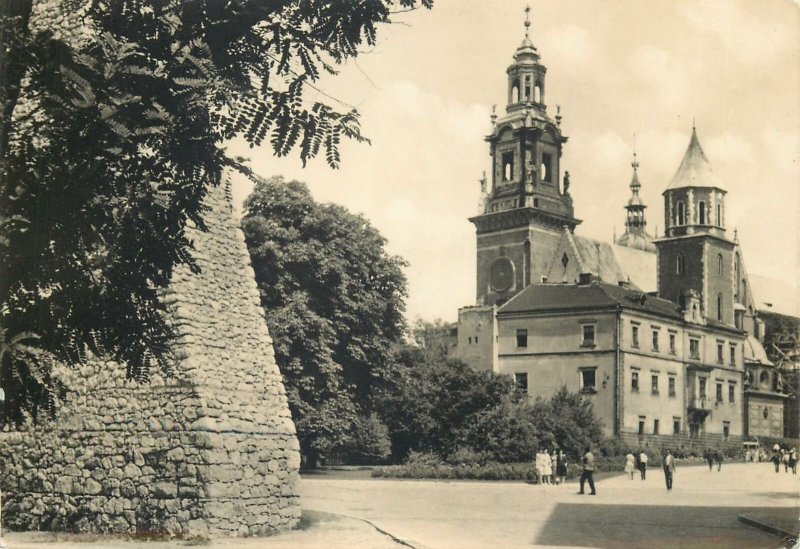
(210, 451)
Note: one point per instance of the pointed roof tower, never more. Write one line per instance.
(635, 235)
(695, 170)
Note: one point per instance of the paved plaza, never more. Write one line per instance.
(354, 512)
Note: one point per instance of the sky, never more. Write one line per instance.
(616, 68)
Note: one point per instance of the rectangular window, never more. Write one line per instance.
(671, 382)
(476, 340)
(694, 348)
(676, 426)
(588, 377)
(672, 344)
(720, 352)
(521, 382)
(702, 391)
(635, 335)
(731, 392)
(655, 426)
(587, 336)
(635, 381)
(641, 424)
(654, 384)
(719, 391)
(522, 338)
(655, 340)
(733, 354)
(470, 340)
(726, 429)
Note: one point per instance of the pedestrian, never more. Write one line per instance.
(547, 467)
(785, 460)
(537, 464)
(561, 466)
(709, 455)
(669, 468)
(793, 460)
(629, 466)
(643, 464)
(718, 458)
(776, 460)
(588, 471)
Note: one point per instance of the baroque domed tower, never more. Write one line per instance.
(527, 204)
(695, 255)
(635, 235)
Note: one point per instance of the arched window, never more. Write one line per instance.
(537, 93)
(701, 213)
(680, 264)
(527, 88)
(719, 307)
(719, 215)
(764, 377)
(515, 92)
(681, 214)
(719, 264)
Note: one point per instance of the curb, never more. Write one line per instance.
(769, 528)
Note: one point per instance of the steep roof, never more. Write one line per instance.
(639, 266)
(559, 297)
(754, 351)
(694, 171)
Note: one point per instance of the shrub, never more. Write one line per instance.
(467, 456)
(488, 471)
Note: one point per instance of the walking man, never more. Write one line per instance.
(643, 464)
(669, 469)
(588, 471)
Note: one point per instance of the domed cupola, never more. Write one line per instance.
(694, 201)
(635, 235)
(526, 75)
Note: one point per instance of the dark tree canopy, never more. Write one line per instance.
(108, 147)
(334, 301)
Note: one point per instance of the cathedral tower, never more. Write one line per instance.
(695, 257)
(527, 203)
(635, 235)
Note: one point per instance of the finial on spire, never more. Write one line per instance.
(494, 114)
(694, 126)
(527, 19)
(558, 115)
(635, 163)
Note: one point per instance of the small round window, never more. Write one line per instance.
(765, 413)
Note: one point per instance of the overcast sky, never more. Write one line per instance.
(616, 68)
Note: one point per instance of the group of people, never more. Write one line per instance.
(637, 462)
(547, 463)
(785, 456)
(713, 457)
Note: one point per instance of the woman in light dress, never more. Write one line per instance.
(547, 467)
(629, 466)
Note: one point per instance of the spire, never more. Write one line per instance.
(695, 170)
(527, 20)
(635, 235)
(635, 185)
(527, 46)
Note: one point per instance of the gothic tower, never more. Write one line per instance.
(695, 257)
(635, 235)
(528, 203)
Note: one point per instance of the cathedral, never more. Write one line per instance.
(661, 333)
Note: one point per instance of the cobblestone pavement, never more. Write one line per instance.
(700, 511)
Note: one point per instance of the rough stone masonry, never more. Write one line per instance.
(211, 451)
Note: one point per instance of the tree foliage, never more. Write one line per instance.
(108, 146)
(334, 301)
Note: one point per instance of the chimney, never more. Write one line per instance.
(585, 279)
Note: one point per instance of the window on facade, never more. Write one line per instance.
(719, 391)
(476, 340)
(655, 426)
(719, 264)
(522, 338)
(528, 88)
(680, 264)
(642, 420)
(515, 92)
(676, 426)
(733, 354)
(720, 352)
(635, 335)
(508, 166)
(537, 93)
(701, 213)
(671, 385)
(719, 215)
(763, 378)
(731, 392)
(681, 214)
(588, 376)
(765, 413)
(702, 387)
(719, 307)
(672, 344)
(726, 429)
(634, 380)
(470, 340)
(655, 340)
(547, 165)
(654, 384)
(587, 335)
(694, 347)
(521, 382)
(694, 430)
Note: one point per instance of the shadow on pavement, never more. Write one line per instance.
(654, 526)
